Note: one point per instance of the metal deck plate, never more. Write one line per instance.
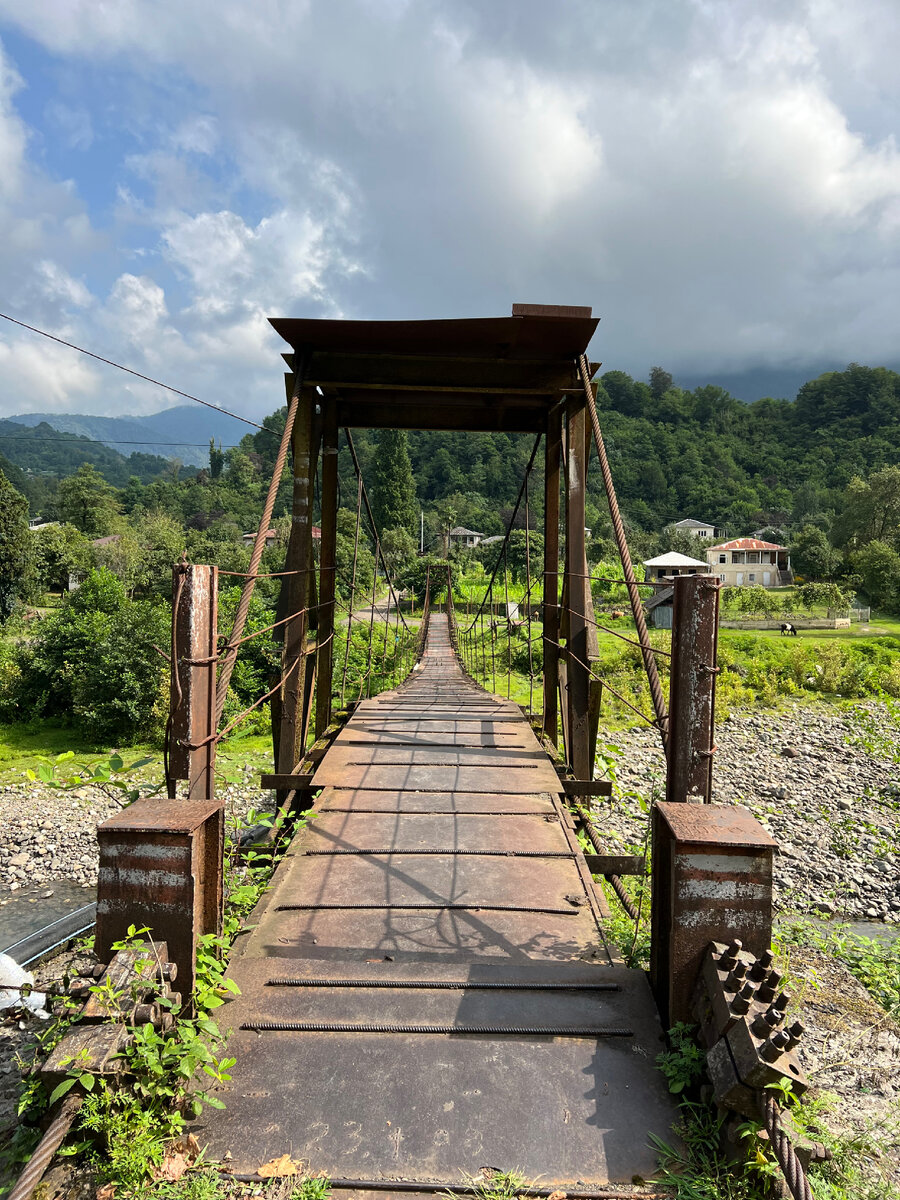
(438, 766)
(426, 1107)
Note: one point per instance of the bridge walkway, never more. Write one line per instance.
(426, 988)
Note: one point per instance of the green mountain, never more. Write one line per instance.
(181, 432)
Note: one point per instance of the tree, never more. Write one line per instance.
(813, 555)
(878, 565)
(93, 662)
(871, 510)
(87, 501)
(516, 559)
(660, 382)
(59, 550)
(16, 550)
(216, 459)
(365, 561)
(393, 486)
(825, 595)
(399, 549)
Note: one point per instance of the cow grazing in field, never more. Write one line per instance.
(789, 629)
(616, 614)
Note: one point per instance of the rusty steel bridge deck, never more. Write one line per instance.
(426, 989)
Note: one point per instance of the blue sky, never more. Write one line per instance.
(718, 178)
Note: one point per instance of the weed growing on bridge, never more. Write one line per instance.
(491, 1184)
(124, 1135)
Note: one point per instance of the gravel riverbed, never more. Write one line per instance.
(833, 809)
(50, 835)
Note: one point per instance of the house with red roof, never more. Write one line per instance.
(749, 562)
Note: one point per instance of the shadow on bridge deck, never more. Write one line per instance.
(427, 989)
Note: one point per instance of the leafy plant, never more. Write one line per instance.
(111, 776)
(684, 1062)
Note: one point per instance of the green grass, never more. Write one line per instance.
(24, 747)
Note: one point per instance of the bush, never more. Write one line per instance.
(93, 663)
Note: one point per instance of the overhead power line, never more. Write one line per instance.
(128, 370)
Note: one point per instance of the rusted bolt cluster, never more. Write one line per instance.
(146, 992)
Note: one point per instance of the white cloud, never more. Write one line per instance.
(721, 181)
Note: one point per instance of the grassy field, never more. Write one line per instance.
(24, 747)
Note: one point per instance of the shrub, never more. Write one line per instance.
(93, 663)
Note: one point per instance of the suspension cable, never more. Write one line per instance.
(515, 512)
(656, 693)
(378, 551)
(301, 362)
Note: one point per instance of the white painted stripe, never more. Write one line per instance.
(722, 889)
(150, 850)
(727, 864)
(728, 921)
(143, 880)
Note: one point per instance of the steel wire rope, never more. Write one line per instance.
(659, 704)
(571, 655)
(242, 716)
(515, 513)
(375, 532)
(786, 1155)
(301, 362)
(352, 584)
(130, 371)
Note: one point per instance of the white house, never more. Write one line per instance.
(460, 536)
(698, 529)
(747, 562)
(666, 565)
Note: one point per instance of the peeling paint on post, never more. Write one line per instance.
(692, 698)
(712, 882)
(161, 867)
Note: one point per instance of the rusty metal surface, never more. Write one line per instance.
(726, 824)
(692, 691)
(367, 831)
(161, 865)
(569, 1109)
(445, 777)
(712, 882)
(392, 755)
(166, 816)
(389, 881)
(192, 687)
(502, 339)
(337, 799)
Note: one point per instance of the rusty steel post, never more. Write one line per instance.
(577, 674)
(327, 565)
(192, 691)
(550, 615)
(300, 560)
(692, 691)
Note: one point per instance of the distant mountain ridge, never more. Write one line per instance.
(180, 432)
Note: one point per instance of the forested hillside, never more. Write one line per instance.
(676, 453)
(821, 472)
